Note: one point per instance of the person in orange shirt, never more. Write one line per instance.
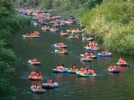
(38, 74)
(82, 68)
(35, 59)
(38, 86)
(51, 82)
(91, 71)
(115, 68)
(91, 54)
(103, 52)
(58, 67)
(33, 73)
(73, 67)
(86, 54)
(61, 49)
(62, 67)
(110, 67)
(27, 34)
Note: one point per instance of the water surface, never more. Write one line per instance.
(105, 86)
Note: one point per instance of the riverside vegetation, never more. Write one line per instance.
(10, 22)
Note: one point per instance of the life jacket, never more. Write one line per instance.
(61, 67)
(84, 56)
(115, 68)
(32, 73)
(34, 60)
(91, 54)
(85, 72)
(37, 74)
(103, 52)
(91, 72)
(51, 82)
(58, 67)
(61, 49)
(82, 69)
(38, 87)
(27, 34)
(110, 68)
(73, 67)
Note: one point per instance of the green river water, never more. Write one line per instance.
(105, 86)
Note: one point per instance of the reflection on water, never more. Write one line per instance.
(58, 77)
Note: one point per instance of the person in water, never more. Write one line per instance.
(121, 60)
(82, 68)
(115, 68)
(33, 73)
(86, 53)
(27, 34)
(74, 67)
(92, 71)
(38, 74)
(91, 54)
(38, 86)
(110, 67)
(103, 52)
(35, 59)
(51, 81)
(60, 67)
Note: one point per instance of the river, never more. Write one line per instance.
(105, 86)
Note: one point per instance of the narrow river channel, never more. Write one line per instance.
(105, 86)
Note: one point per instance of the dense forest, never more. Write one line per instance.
(112, 21)
(10, 22)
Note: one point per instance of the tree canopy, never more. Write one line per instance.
(113, 22)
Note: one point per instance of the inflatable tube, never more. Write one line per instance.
(37, 91)
(54, 30)
(114, 71)
(70, 71)
(104, 55)
(34, 36)
(86, 59)
(93, 56)
(92, 49)
(34, 78)
(80, 74)
(58, 46)
(57, 51)
(34, 63)
(48, 86)
(122, 64)
(88, 39)
(60, 71)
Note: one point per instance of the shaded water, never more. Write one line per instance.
(105, 86)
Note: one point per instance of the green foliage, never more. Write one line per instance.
(7, 59)
(9, 23)
(46, 4)
(112, 22)
(6, 89)
(22, 20)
